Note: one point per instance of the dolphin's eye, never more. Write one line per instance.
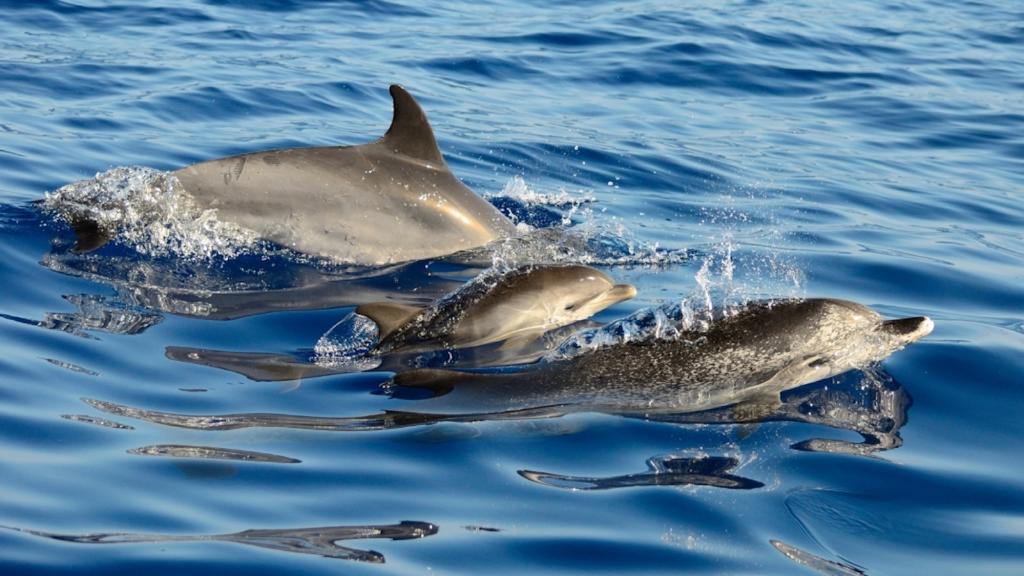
(817, 363)
(570, 306)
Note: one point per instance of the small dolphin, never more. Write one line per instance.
(387, 201)
(518, 306)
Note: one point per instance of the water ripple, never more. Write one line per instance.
(321, 541)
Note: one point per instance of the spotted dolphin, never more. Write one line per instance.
(391, 200)
(734, 371)
(752, 354)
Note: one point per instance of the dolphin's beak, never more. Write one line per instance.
(619, 293)
(909, 330)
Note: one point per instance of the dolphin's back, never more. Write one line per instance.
(758, 351)
(360, 204)
(387, 201)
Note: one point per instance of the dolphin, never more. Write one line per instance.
(517, 305)
(733, 371)
(391, 200)
(751, 354)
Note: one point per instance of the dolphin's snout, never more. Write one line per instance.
(621, 292)
(909, 329)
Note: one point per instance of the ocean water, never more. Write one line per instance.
(703, 151)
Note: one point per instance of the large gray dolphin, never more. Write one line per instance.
(520, 304)
(390, 200)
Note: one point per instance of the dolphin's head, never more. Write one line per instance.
(826, 337)
(534, 299)
(574, 293)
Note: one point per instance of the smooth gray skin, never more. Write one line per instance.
(754, 354)
(388, 201)
(521, 305)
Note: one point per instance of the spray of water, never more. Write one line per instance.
(347, 345)
(147, 210)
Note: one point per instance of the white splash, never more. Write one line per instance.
(716, 294)
(147, 210)
(517, 189)
(347, 345)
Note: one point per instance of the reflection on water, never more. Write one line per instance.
(872, 404)
(211, 453)
(85, 418)
(665, 471)
(875, 409)
(223, 290)
(816, 563)
(95, 313)
(72, 367)
(322, 541)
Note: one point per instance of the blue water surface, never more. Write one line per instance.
(872, 151)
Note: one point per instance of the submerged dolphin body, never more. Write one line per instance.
(520, 305)
(387, 201)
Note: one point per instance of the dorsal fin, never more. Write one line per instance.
(410, 133)
(388, 316)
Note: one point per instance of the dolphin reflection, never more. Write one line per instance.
(95, 313)
(320, 541)
(211, 453)
(816, 563)
(233, 290)
(665, 471)
(871, 403)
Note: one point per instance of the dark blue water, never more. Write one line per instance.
(869, 151)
